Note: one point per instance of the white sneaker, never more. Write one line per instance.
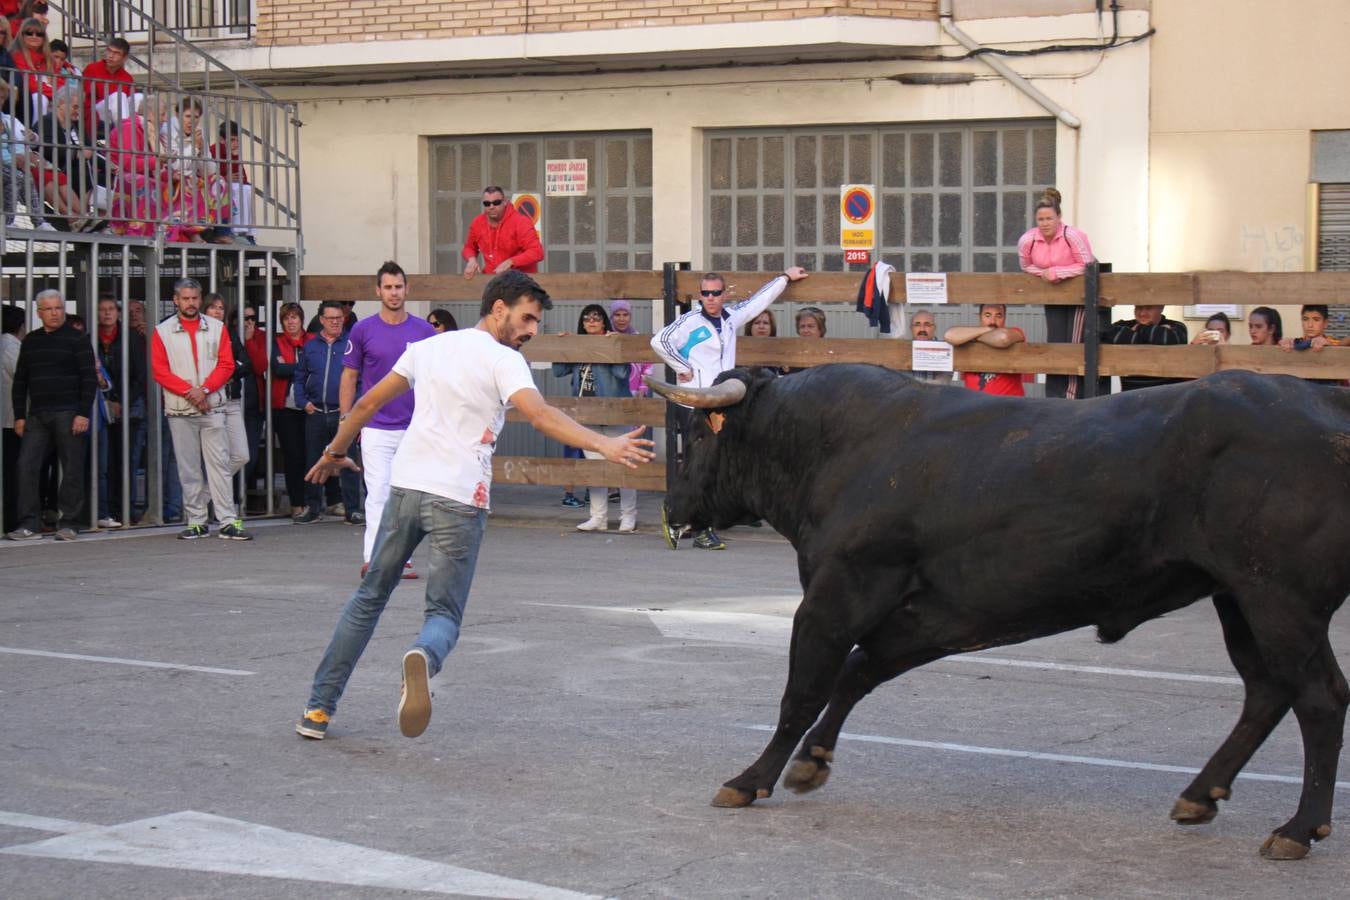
(414, 706)
(627, 525)
(594, 524)
(109, 523)
(45, 226)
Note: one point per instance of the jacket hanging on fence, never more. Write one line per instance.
(874, 296)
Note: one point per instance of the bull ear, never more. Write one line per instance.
(728, 393)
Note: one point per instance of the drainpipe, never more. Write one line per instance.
(1002, 68)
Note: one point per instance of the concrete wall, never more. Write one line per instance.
(1236, 94)
(363, 152)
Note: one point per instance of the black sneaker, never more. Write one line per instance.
(570, 500)
(414, 707)
(707, 539)
(670, 532)
(234, 531)
(355, 518)
(313, 724)
(308, 517)
(193, 532)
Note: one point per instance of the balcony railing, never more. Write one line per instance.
(196, 20)
(162, 163)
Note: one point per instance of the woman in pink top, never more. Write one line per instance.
(1054, 251)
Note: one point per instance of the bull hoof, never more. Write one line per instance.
(805, 775)
(1192, 812)
(1279, 847)
(732, 798)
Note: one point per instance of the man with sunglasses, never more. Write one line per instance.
(701, 344)
(503, 237)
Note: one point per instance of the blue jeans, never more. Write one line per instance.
(456, 531)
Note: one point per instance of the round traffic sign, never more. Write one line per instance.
(856, 205)
(528, 206)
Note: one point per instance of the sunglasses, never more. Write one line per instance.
(35, 34)
(493, 202)
(713, 293)
(250, 318)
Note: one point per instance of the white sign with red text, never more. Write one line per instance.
(566, 177)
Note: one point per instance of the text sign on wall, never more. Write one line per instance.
(857, 213)
(565, 177)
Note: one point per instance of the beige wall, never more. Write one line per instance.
(364, 145)
(285, 22)
(1236, 93)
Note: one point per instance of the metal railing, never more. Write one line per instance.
(198, 20)
(182, 166)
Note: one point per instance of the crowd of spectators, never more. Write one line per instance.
(89, 150)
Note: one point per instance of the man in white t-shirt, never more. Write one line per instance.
(463, 382)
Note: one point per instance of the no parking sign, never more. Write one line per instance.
(529, 206)
(857, 212)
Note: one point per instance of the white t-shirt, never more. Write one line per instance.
(461, 381)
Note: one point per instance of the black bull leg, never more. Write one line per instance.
(866, 667)
(1282, 666)
(823, 635)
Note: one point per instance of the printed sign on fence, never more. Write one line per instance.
(565, 177)
(926, 287)
(930, 356)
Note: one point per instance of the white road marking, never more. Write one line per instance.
(200, 842)
(1050, 757)
(775, 632)
(144, 663)
(42, 823)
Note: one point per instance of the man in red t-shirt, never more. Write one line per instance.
(992, 332)
(505, 238)
(104, 77)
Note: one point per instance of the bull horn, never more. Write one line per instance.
(728, 393)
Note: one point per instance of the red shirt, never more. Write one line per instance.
(514, 238)
(1004, 384)
(165, 377)
(95, 91)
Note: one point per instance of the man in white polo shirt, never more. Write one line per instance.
(463, 382)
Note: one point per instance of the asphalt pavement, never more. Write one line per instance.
(604, 687)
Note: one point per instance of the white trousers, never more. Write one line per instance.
(377, 462)
(197, 440)
(238, 435)
(600, 495)
(241, 208)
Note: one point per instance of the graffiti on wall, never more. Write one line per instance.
(1271, 248)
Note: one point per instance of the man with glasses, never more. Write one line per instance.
(503, 237)
(701, 344)
(318, 391)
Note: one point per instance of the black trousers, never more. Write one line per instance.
(320, 427)
(10, 475)
(289, 424)
(45, 429)
(1059, 330)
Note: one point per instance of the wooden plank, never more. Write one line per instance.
(609, 348)
(598, 286)
(606, 410)
(1272, 288)
(553, 470)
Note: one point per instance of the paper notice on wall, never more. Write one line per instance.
(925, 287)
(931, 356)
(565, 177)
(1211, 309)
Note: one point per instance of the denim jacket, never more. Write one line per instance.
(318, 372)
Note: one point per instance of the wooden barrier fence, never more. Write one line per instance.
(1114, 289)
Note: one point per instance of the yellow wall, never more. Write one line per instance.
(1238, 88)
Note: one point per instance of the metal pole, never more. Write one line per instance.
(127, 475)
(669, 297)
(154, 406)
(268, 474)
(1091, 332)
(96, 421)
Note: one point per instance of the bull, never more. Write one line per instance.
(1235, 487)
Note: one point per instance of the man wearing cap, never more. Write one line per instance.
(503, 237)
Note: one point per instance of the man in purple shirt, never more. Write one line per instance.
(374, 345)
